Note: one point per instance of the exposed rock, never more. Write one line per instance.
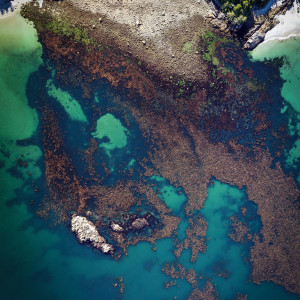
(116, 227)
(139, 223)
(257, 38)
(212, 14)
(221, 16)
(218, 23)
(86, 232)
(263, 22)
(106, 248)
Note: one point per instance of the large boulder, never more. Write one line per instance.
(254, 40)
(86, 232)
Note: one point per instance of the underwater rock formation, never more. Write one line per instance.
(139, 223)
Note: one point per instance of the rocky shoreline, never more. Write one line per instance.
(166, 42)
(254, 30)
(265, 22)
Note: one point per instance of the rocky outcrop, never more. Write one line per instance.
(139, 223)
(86, 232)
(218, 20)
(264, 22)
(254, 40)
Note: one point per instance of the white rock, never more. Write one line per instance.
(116, 227)
(86, 232)
(105, 248)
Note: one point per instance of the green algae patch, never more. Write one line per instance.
(77, 34)
(108, 126)
(189, 47)
(59, 24)
(208, 45)
(70, 105)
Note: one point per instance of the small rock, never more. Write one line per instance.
(221, 16)
(116, 227)
(100, 20)
(144, 42)
(106, 248)
(94, 26)
(211, 14)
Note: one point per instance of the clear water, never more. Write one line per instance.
(110, 127)
(289, 49)
(172, 196)
(223, 202)
(70, 105)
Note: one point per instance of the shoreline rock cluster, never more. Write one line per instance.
(86, 232)
(254, 30)
(262, 23)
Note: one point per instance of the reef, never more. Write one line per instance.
(214, 126)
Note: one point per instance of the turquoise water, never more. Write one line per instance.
(39, 262)
(108, 126)
(172, 196)
(223, 202)
(288, 49)
(70, 105)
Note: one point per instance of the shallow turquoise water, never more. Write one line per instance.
(110, 127)
(70, 105)
(289, 49)
(42, 263)
(223, 202)
(172, 196)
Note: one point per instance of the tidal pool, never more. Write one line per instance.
(108, 126)
(70, 105)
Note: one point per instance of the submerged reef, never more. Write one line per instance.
(223, 126)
